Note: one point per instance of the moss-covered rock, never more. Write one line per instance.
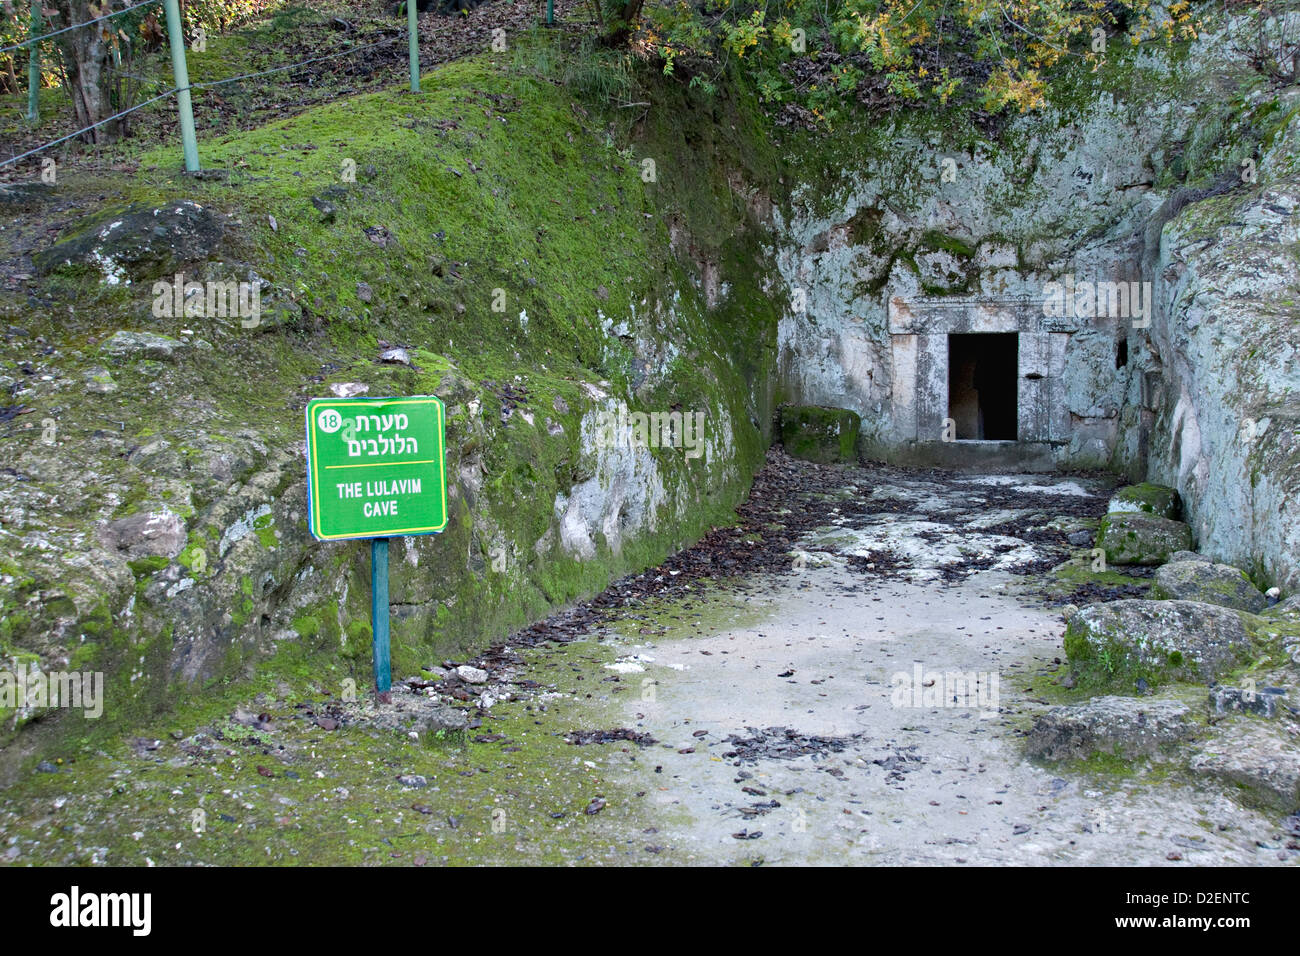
(1136, 537)
(1119, 643)
(1258, 759)
(1211, 583)
(1148, 498)
(1126, 727)
(140, 242)
(821, 434)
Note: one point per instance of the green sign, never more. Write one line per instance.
(375, 467)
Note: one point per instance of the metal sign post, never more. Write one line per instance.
(34, 67)
(379, 616)
(413, 43)
(181, 72)
(376, 469)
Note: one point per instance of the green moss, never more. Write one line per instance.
(820, 434)
(289, 791)
(143, 567)
(264, 528)
(934, 240)
(306, 626)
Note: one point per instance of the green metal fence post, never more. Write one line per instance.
(413, 38)
(550, 13)
(176, 34)
(379, 615)
(34, 67)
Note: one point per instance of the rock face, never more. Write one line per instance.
(1211, 583)
(1125, 727)
(1221, 363)
(1135, 537)
(1147, 498)
(140, 242)
(1121, 642)
(147, 345)
(147, 534)
(1194, 389)
(820, 434)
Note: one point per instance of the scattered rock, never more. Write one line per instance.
(580, 737)
(396, 356)
(1140, 538)
(1211, 583)
(408, 711)
(412, 780)
(327, 209)
(99, 381)
(1127, 727)
(349, 389)
(472, 675)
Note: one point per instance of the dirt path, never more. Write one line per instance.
(830, 653)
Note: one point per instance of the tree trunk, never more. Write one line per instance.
(87, 53)
(622, 23)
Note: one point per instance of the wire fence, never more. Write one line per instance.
(182, 87)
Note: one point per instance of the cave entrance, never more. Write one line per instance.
(983, 383)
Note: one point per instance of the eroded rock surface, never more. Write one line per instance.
(1210, 583)
(1127, 727)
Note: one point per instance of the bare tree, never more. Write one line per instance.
(1271, 44)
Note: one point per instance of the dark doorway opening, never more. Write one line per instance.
(983, 383)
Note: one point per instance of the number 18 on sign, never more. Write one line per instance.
(376, 469)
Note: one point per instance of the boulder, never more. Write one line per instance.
(1287, 610)
(1120, 643)
(19, 196)
(1210, 583)
(1134, 537)
(1146, 498)
(1260, 701)
(1257, 759)
(1127, 727)
(142, 242)
(820, 434)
